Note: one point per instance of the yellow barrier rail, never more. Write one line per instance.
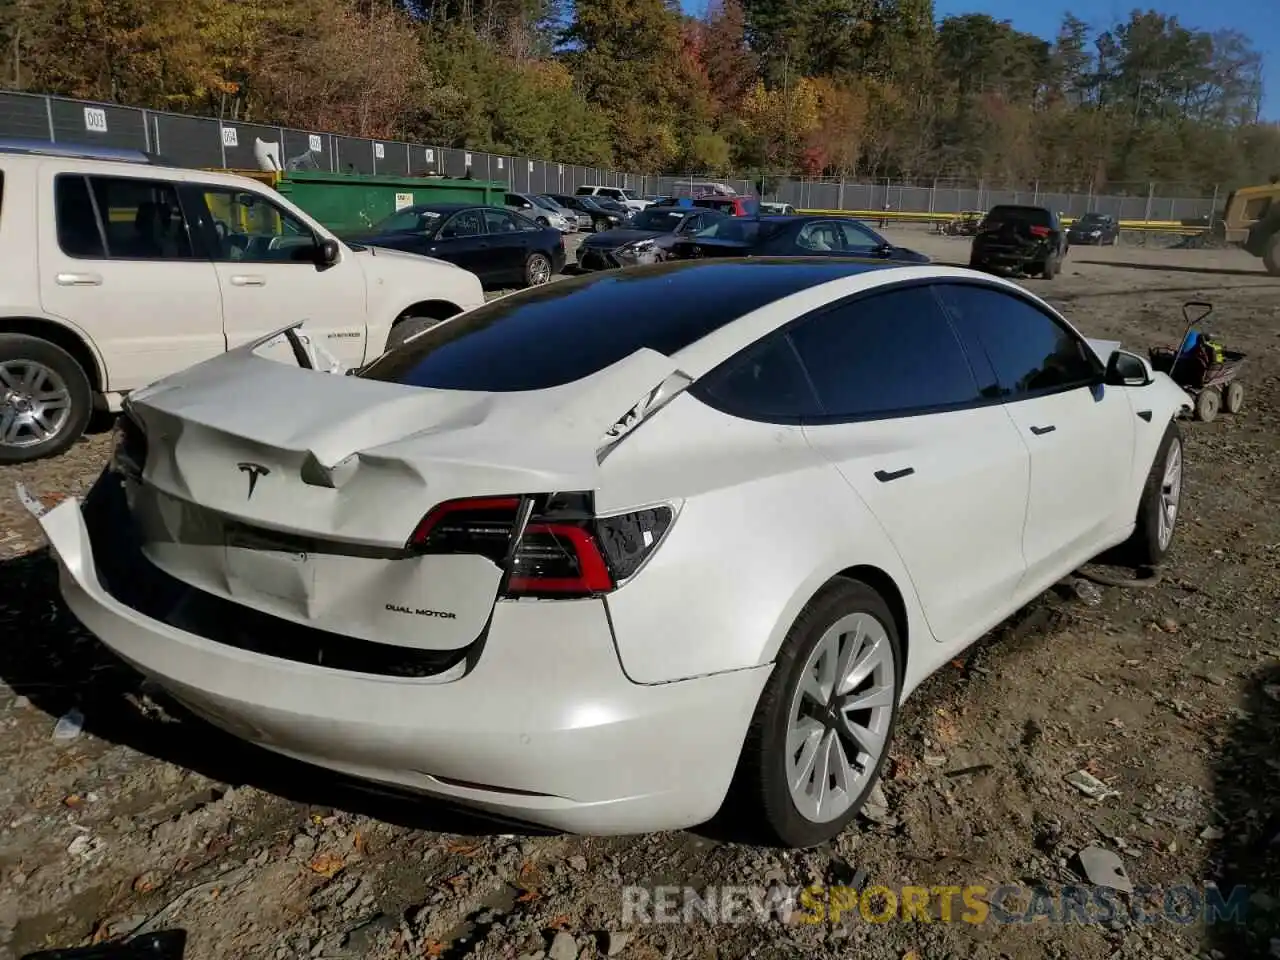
(902, 216)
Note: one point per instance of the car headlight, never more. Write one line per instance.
(639, 246)
(1096, 233)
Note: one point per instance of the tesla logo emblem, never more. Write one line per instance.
(254, 470)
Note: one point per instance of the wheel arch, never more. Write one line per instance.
(429, 309)
(74, 342)
(882, 583)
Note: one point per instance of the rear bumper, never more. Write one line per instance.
(544, 728)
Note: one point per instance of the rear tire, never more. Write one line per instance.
(410, 327)
(845, 625)
(1161, 495)
(537, 270)
(1233, 397)
(1050, 268)
(1271, 255)
(45, 399)
(1208, 403)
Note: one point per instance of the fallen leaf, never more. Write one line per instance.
(327, 864)
(527, 870)
(527, 897)
(358, 843)
(457, 881)
(466, 849)
(560, 922)
(144, 884)
(432, 948)
(73, 800)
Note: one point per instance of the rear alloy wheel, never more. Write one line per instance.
(537, 270)
(1158, 509)
(45, 399)
(543, 222)
(825, 719)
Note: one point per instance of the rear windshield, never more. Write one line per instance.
(664, 220)
(1038, 216)
(564, 331)
(1093, 218)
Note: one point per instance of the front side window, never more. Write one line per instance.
(252, 229)
(409, 220)
(888, 354)
(1026, 351)
(140, 219)
(857, 238)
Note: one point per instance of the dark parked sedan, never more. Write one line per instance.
(498, 246)
(599, 217)
(795, 236)
(1094, 228)
(646, 239)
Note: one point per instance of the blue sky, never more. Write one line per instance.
(1257, 19)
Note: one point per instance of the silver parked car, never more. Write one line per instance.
(528, 205)
(580, 218)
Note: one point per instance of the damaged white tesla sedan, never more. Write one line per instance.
(592, 555)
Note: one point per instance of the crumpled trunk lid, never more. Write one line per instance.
(295, 492)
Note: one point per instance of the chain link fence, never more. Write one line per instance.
(204, 142)
(1146, 201)
(201, 142)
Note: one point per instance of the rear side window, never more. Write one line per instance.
(77, 225)
(1018, 349)
(766, 382)
(889, 354)
(142, 219)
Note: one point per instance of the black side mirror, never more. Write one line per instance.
(1127, 370)
(327, 253)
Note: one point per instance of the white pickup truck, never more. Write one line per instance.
(625, 197)
(119, 270)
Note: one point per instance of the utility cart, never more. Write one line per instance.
(1201, 367)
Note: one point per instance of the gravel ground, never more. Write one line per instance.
(1169, 695)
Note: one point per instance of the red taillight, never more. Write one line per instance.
(480, 525)
(1039, 231)
(558, 559)
(562, 551)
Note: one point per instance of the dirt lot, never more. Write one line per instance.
(1170, 695)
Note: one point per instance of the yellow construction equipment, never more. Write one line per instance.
(1251, 218)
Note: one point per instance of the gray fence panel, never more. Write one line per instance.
(238, 141)
(187, 141)
(541, 179)
(502, 169)
(425, 160)
(455, 162)
(914, 198)
(305, 150)
(23, 116)
(72, 123)
(353, 154)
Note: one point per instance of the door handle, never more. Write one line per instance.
(1145, 415)
(248, 280)
(1041, 431)
(884, 476)
(79, 280)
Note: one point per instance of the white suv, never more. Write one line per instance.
(118, 271)
(624, 197)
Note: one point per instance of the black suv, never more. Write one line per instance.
(1094, 228)
(1026, 240)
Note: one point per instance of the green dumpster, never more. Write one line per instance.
(352, 203)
